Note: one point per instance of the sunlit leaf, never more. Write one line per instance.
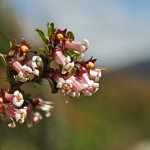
(50, 28)
(42, 35)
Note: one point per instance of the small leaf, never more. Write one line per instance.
(42, 35)
(50, 28)
(54, 89)
(46, 48)
(71, 35)
(75, 52)
(2, 59)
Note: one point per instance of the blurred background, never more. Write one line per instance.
(117, 117)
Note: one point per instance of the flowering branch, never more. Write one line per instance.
(73, 76)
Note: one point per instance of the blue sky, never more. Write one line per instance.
(118, 30)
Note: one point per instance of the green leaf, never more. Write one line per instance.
(46, 48)
(2, 59)
(73, 53)
(42, 35)
(54, 89)
(50, 28)
(71, 35)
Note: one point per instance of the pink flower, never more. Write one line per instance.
(16, 98)
(85, 79)
(76, 85)
(24, 72)
(12, 112)
(63, 85)
(78, 46)
(68, 66)
(38, 104)
(36, 64)
(91, 89)
(59, 57)
(95, 74)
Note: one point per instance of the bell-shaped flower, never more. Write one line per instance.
(13, 113)
(76, 84)
(16, 98)
(59, 57)
(81, 46)
(63, 85)
(85, 79)
(91, 89)
(95, 74)
(24, 72)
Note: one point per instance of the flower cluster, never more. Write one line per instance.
(71, 75)
(14, 106)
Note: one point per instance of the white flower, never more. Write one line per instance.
(84, 46)
(36, 72)
(37, 62)
(59, 85)
(26, 68)
(68, 66)
(65, 87)
(25, 74)
(95, 74)
(18, 99)
(68, 59)
(21, 115)
(22, 77)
